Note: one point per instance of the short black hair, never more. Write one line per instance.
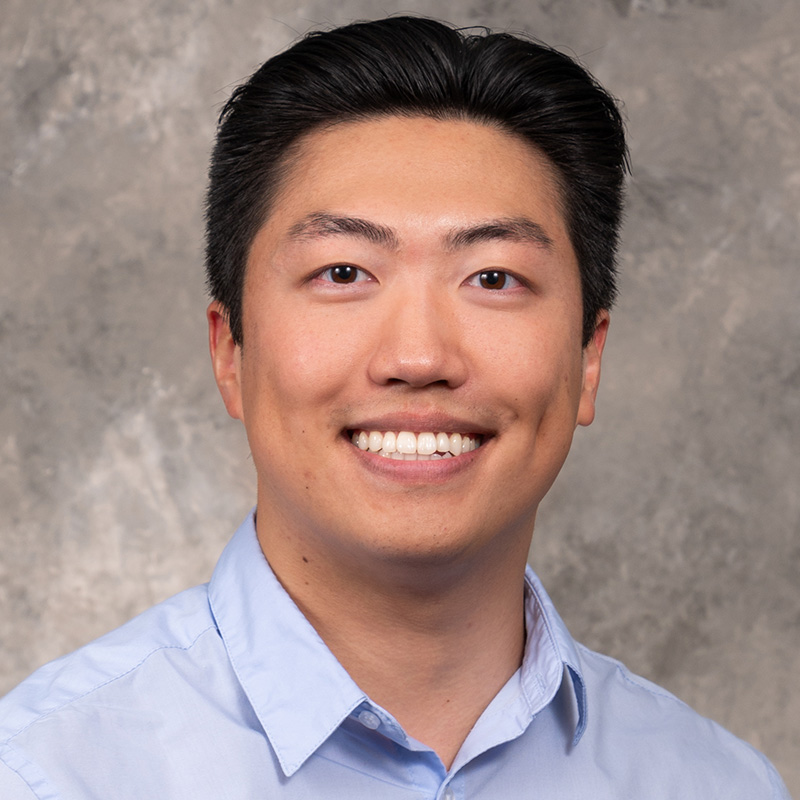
(413, 66)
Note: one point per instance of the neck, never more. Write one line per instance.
(432, 653)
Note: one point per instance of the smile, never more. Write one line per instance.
(408, 446)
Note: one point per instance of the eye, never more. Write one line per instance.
(494, 279)
(343, 273)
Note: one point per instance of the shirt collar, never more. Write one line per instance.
(550, 652)
(297, 688)
(300, 692)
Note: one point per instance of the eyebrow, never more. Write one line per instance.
(515, 229)
(321, 224)
(512, 229)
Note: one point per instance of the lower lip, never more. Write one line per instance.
(438, 470)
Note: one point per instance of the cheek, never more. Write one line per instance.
(538, 369)
(293, 363)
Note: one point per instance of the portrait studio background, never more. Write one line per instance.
(671, 538)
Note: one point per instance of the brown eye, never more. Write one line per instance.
(493, 279)
(344, 273)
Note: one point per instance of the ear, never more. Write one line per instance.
(226, 359)
(592, 356)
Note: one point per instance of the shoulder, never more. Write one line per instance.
(678, 746)
(120, 688)
(174, 626)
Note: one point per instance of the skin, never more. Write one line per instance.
(401, 564)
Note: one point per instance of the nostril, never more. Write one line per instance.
(400, 381)
(420, 345)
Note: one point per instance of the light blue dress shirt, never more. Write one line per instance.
(226, 692)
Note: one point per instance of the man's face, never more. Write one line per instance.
(414, 277)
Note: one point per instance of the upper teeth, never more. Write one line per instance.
(413, 446)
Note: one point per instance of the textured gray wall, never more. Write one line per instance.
(671, 539)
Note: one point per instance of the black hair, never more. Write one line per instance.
(414, 66)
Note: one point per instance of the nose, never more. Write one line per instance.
(420, 342)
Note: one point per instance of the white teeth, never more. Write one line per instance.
(406, 442)
(426, 443)
(389, 442)
(408, 446)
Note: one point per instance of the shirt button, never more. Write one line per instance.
(370, 720)
(449, 794)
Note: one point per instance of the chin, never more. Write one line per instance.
(425, 553)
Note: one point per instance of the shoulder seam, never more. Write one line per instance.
(629, 677)
(111, 680)
(11, 750)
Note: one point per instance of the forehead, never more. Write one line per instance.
(418, 172)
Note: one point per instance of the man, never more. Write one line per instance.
(411, 238)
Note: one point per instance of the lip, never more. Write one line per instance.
(428, 473)
(416, 472)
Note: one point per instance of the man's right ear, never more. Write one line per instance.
(226, 359)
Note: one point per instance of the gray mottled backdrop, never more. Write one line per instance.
(671, 539)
